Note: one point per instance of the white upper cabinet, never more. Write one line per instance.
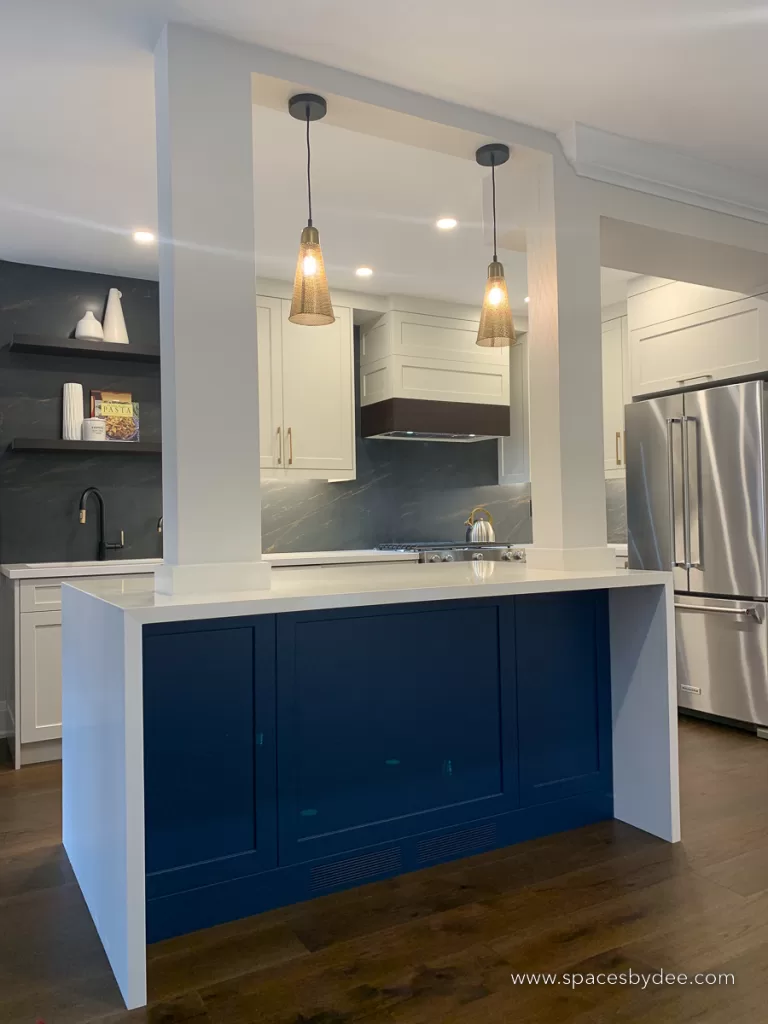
(683, 334)
(306, 395)
(514, 459)
(269, 332)
(318, 396)
(514, 465)
(615, 394)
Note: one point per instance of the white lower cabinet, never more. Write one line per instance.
(40, 676)
(306, 395)
(30, 662)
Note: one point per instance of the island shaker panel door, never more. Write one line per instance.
(209, 752)
(564, 697)
(390, 724)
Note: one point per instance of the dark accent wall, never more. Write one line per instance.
(405, 490)
(39, 494)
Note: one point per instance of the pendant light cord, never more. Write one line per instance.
(309, 179)
(493, 193)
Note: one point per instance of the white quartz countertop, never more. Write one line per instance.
(319, 587)
(64, 570)
(129, 566)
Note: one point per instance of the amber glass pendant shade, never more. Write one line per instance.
(496, 327)
(311, 302)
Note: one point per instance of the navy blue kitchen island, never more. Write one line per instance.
(287, 756)
(230, 753)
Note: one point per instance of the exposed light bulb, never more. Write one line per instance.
(143, 237)
(495, 295)
(310, 266)
(447, 223)
(364, 271)
(527, 298)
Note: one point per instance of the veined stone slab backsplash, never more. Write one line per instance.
(408, 491)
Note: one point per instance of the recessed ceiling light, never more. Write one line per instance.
(527, 298)
(364, 271)
(447, 223)
(143, 237)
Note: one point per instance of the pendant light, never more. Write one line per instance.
(496, 328)
(311, 303)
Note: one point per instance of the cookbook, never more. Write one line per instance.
(119, 412)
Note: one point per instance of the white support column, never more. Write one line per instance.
(565, 369)
(211, 486)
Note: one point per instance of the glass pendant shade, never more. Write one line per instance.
(311, 303)
(496, 328)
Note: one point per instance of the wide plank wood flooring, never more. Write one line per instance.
(437, 945)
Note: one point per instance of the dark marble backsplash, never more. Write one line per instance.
(39, 494)
(404, 491)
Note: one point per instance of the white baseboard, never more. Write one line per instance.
(45, 750)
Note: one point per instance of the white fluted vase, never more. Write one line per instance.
(72, 412)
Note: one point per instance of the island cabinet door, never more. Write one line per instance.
(209, 752)
(390, 725)
(564, 696)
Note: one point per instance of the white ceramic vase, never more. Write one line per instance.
(89, 328)
(72, 412)
(114, 321)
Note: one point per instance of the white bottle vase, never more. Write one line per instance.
(89, 328)
(114, 321)
(72, 412)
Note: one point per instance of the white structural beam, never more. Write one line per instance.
(565, 365)
(211, 486)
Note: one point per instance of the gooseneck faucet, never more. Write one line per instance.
(104, 547)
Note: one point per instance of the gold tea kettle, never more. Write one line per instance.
(480, 531)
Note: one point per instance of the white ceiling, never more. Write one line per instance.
(77, 117)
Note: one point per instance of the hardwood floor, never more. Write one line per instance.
(438, 945)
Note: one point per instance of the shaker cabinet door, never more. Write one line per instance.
(268, 330)
(564, 698)
(388, 728)
(319, 395)
(614, 334)
(209, 752)
(40, 676)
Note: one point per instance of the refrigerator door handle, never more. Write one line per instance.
(672, 509)
(691, 496)
(754, 611)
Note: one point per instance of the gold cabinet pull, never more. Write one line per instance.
(618, 442)
(290, 446)
(279, 446)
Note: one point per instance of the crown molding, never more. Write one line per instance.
(661, 171)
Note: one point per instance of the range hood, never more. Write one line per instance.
(414, 419)
(423, 378)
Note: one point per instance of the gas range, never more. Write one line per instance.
(450, 551)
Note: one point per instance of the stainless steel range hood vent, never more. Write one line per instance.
(423, 435)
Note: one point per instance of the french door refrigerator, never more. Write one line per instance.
(696, 505)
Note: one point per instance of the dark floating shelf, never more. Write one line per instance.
(42, 444)
(40, 344)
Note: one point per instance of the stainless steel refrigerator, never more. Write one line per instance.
(696, 505)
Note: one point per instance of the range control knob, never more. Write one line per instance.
(434, 558)
(448, 557)
(478, 556)
(508, 556)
